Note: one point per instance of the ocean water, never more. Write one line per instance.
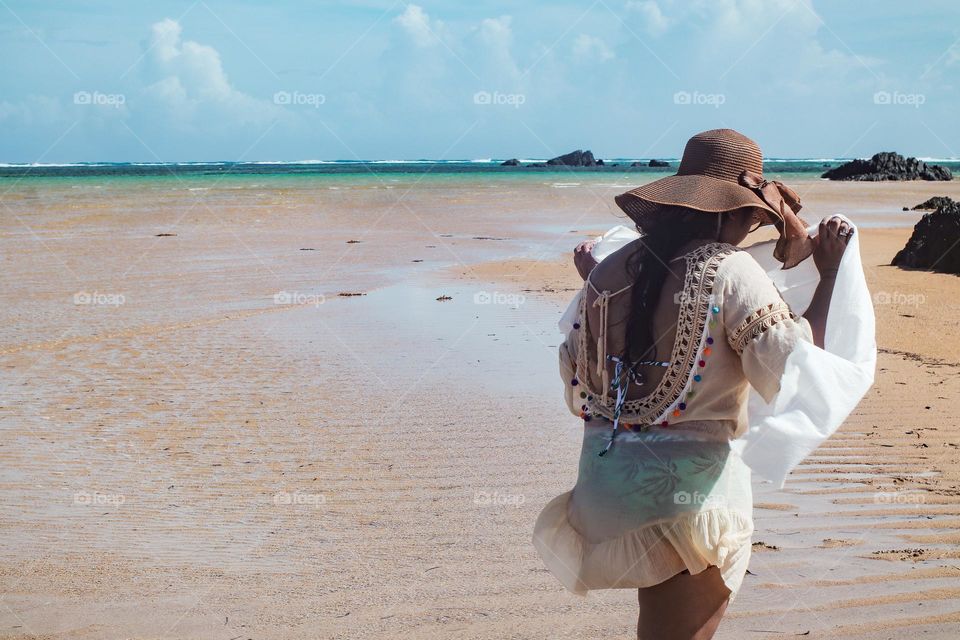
(440, 170)
(343, 194)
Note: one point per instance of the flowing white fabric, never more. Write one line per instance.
(819, 387)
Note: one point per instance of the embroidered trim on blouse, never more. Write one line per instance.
(758, 322)
(702, 264)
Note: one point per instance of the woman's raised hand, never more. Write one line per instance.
(828, 248)
(583, 259)
(830, 243)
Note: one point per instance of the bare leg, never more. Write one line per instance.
(685, 607)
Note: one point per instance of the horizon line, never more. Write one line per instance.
(418, 161)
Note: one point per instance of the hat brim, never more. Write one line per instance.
(698, 192)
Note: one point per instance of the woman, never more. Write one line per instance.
(671, 332)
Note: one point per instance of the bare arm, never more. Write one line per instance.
(816, 313)
(830, 244)
(583, 260)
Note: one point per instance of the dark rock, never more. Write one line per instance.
(906, 208)
(576, 158)
(934, 203)
(512, 162)
(600, 162)
(637, 164)
(658, 163)
(935, 243)
(538, 164)
(888, 165)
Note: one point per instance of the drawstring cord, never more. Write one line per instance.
(621, 390)
(603, 303)
(621, 398)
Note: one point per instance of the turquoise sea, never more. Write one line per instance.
(439, 170)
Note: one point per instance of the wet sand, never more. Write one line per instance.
(233, 449)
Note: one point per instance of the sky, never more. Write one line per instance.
(287, 80)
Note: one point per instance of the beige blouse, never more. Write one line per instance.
(734, 330)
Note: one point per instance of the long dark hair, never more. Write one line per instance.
(663, 234)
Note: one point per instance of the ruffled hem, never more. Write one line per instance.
(646, 556)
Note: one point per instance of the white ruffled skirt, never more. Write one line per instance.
(658, 503)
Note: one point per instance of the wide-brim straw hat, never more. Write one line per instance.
(722, 170)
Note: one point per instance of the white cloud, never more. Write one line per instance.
(430, 68)
(195, 67)
(724, 41)
(653, 19)
(187, 82)
(496, 32)
(417, 24)
(591, 47)
(33, 111)
(496, 60)
(164, 41)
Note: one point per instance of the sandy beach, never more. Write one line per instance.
(271, 408)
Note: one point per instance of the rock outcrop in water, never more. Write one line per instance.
(888, 165)
(934, 203)
(576, 158)
(651, 163)
(935, 243)
(512, 162)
